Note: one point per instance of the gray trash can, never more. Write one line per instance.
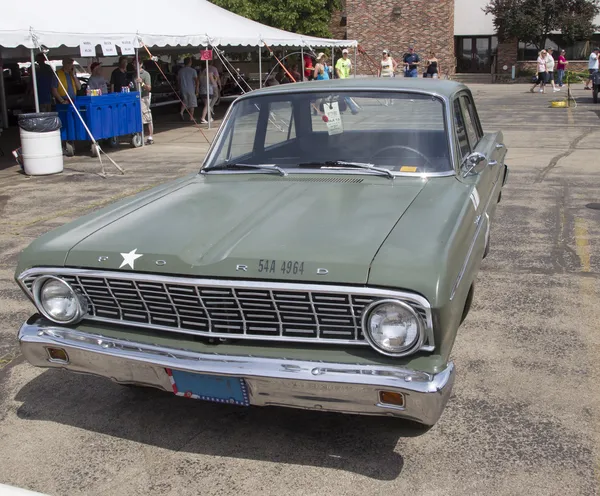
(40, 143)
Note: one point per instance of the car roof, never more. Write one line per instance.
(443, 88)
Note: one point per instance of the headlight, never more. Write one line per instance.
(58, 301)
(393, 327)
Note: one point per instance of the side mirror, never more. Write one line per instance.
(474, 163)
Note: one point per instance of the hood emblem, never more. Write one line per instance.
(130, 258)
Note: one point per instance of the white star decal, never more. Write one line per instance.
(130, 258)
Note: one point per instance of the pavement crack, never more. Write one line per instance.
(572, 147)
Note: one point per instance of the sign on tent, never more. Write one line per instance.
(206, 55)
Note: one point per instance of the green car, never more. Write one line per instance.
(323, 257)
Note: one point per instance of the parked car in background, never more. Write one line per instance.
(323, 257)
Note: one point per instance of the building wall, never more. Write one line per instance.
(427, 24)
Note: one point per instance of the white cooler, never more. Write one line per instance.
(41, 150)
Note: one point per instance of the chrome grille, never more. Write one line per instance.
(230, 309)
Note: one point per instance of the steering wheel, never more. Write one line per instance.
(391, 147)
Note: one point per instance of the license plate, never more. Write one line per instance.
(220, 389)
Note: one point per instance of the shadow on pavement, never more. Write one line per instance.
(364, 445)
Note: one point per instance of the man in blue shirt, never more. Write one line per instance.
(411, 63)
(44, 78)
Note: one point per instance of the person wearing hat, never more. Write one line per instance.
(592, 67)
(411, 62)
(387, 65)
(321, 68)
(97, 81)
(343, 66)
(65, 82)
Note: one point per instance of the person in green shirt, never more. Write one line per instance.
(343, 67)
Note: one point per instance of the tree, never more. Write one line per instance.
(533, 21)
(310, 17)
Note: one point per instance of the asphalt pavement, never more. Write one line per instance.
(524, 416)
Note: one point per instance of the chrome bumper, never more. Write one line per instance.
(345, 388)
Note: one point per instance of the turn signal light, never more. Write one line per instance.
(58, 355)
(390, 398)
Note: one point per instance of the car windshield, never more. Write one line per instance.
(400, 131)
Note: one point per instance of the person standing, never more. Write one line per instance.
(550, 69)
(592, 67)
(65, 82)
(145, 82)
(295, 74)
(343, 66)
(216, 85)
(321, 68)
(411, 62)
(561, 67)
(308, 67)
(206, 91)
(541, 71)
(387, 66)
(96, 80)
(118, 78)
(187, 79)
(433, 67)
(44, 77)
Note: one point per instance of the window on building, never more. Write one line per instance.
(578, 51)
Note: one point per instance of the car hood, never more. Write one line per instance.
(256, 227)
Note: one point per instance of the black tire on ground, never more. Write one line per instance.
(595, 93)
(486, 251)
(136, 140)
(113, 142)
(95, 151)
(500, 197)
(69, 149)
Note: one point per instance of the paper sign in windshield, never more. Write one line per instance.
(334, 119)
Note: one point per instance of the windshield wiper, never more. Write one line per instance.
(341, 164)
(272, 168)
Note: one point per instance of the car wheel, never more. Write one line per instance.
(136, 140)
(95, 150)
(113, 142)
(468, 303)
(595, 94)
(500, 197)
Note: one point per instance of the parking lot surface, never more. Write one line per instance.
(524, 416)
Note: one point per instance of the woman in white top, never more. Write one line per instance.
(541, 71)
(388, 65)
(550, 69)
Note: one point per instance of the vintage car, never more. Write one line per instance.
(323, 257)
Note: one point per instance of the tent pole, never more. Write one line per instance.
(332, 61)
(139, 88)
(34, 81)
(208, 91)
(302, 63)
(355, 62)
(259, 66)
(4, 120)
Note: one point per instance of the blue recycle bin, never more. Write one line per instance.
(107, 117)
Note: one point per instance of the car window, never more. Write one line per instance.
(280, 126)
(400, 130)
(240, 140)
(470, 121)
(460, 130)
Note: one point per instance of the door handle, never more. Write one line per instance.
(499, 146)
(493, 162)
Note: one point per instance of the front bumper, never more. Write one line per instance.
(307, 384)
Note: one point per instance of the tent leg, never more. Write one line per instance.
(4, 119)
(332, 61)
(208, 92)
(259, 66)
(139, 88)
(34, 80)
(302, 63)
(355, 64)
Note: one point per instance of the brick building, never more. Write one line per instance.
(458, 31)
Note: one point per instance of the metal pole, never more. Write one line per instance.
(259, 66)
(302, 63)
(3, 98)
(34, 82)
(208, 92)
(332, 61)
(355, 64)
(139, 88)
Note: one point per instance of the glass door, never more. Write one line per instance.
(473, 54)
